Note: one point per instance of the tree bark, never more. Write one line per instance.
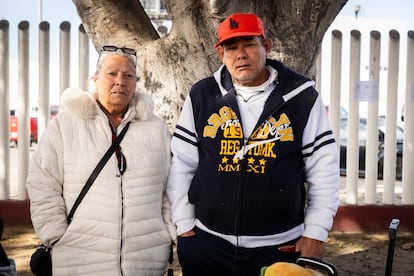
(169, 65)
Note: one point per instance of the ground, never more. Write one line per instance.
(352, 254)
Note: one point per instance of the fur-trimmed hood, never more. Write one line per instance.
(84, 104)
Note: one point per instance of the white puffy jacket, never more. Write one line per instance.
(122, 226)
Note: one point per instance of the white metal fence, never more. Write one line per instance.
(391, 156)
(25, 84)
(363, 94)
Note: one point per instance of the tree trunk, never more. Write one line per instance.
(169, 65)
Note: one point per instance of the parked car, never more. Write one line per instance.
(13, 128)
(362, 147)
(33, 124)
(54, 109)
(14, 124)
(343, 113)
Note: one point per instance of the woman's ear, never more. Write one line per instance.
(94, 78)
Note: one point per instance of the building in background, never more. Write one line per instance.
(158, 15)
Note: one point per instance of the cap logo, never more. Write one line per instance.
(233, 24)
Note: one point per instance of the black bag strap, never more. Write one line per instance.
(96, 172)
(170, 271)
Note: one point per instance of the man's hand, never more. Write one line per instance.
(187, 234)
(310, 248)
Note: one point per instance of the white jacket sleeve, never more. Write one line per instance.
(166, 206)
(184, 164)
(44, 185)
(322, 172)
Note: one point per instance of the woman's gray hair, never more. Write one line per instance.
(104, 54)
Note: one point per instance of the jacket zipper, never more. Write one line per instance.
(239, 193)
(121, 178)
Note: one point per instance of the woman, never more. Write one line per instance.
(122, 226)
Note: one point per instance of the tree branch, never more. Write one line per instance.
(122, 21)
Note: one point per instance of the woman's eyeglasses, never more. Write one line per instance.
(111, 48)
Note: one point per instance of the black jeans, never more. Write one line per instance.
(207, 255)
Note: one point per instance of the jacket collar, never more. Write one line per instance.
(287, 79)
(84, 104)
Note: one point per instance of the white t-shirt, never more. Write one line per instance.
(251, 100)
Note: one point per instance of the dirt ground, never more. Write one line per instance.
(352, 254)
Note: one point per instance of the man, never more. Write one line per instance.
(247, 140)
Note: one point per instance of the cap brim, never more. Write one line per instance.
(234, 35)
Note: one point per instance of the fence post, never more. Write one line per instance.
(23, 108)
(352, 154)
(408, 156)
(371, 155)
(4, 110)
(83, 58)
(44, 106)
(64, 55)
(335, 99)
(389, 165)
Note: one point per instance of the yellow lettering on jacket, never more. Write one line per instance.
(229, 147)
(265, 150)
(228, 167)
(280, 129)
(226, 120)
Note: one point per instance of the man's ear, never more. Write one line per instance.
(220, 52)
(268, 45)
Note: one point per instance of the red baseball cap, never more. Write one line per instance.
(240, 24)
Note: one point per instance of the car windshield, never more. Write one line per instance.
(363, 129)
(342, 112)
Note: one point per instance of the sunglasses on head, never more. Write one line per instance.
(111, 48)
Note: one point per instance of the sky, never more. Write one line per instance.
(57, 11)
(386, 9)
